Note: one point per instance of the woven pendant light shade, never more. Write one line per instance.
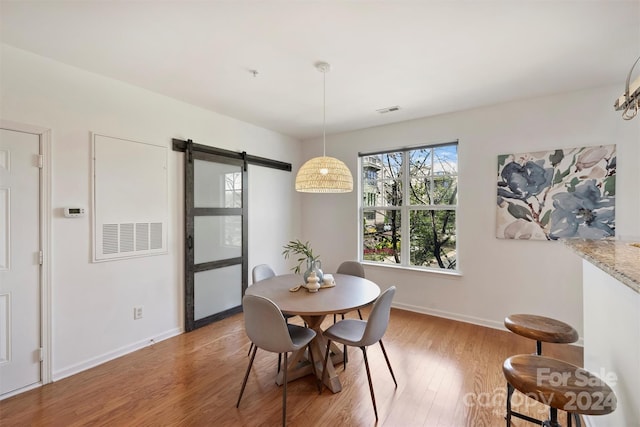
(324, 175)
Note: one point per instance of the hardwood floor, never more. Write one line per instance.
(449, 374)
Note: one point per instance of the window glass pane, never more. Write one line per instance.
(392, 164)
(392, 175)
(392, 193)
(445, 190)
(420, 172)
(419, 189)
(217, 237)
(445, 175)
(445, 160)
(433, 238)
(382, 179)
(434, 176)
(216, 185)
(233, 190)
(216, 291)
(382, 235)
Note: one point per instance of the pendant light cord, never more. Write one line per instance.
(324, 113)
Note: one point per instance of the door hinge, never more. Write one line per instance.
(40, 161)
(41, 351)
(41, 257)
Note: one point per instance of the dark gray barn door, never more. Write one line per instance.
(216, 223)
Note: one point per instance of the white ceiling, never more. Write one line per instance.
(428, 57)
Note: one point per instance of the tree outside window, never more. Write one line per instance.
(409, 202)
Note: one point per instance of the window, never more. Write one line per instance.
(233, 199)
(409, 203)
(233, 190)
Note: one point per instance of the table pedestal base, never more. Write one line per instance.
(300, 364)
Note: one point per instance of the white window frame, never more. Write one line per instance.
(405, 209)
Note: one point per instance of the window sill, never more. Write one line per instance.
(455, 273)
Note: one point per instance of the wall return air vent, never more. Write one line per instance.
(122, 239)
(388, 109)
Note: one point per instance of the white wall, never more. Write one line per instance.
(93, 303)
(499, 276)
(612, 342)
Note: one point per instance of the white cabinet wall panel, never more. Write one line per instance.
(130, 198)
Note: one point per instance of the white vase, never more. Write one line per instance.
(313, 283)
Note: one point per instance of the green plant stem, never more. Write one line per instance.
(299, 248)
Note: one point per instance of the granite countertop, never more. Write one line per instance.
(618, 258)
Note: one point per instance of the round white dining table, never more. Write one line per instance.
(349, 293)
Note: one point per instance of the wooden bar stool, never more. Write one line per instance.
(557, 384)
(542, 329)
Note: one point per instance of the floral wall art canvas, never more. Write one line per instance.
(558, 194)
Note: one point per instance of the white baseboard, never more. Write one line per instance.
(93, 362)
(462, 318)
(20, 390)
(453, 316)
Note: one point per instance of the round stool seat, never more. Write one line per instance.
(559, 384)
(541, 328)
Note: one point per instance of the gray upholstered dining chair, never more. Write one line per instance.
(352, 268)
(363, 333)
(262, 272)
(267, 329)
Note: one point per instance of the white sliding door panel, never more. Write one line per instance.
(217, 237)
(217, 291)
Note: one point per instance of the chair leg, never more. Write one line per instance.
(388, 363)
(373, 397)
(324, 368)
(284, 391)
(246, 376)
(286, 319)
(250, 348)
(345, 353)
(345, 357)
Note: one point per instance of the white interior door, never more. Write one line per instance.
(20, 364)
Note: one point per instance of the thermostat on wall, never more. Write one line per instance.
(73, 212)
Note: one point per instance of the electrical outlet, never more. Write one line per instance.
(137, 312)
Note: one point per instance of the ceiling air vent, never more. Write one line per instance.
(388, 109)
